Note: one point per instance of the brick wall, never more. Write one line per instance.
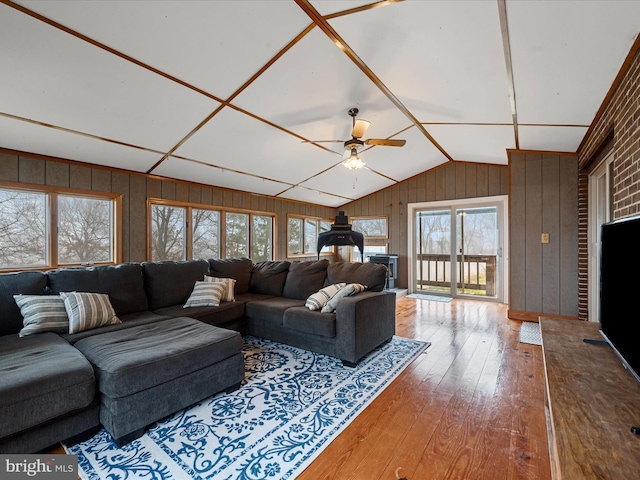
(616, 129)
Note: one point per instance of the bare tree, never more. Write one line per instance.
(206, 233)
(22, 228)
(84, 230)
(167, 233)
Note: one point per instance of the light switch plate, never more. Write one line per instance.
(545, 238)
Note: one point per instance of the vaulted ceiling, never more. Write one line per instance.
(232, 93)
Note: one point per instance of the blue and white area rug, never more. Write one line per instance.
(292, 404)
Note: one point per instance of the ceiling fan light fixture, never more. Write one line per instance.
(353, 162)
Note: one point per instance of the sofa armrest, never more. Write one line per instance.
(363, 322)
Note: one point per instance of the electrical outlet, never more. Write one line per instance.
(545, 238)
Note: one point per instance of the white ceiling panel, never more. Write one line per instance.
(475, 143)
(560, 139)
(566, 55)
(310, 89)
(55, 78)
(201, 173)
(351, 184)
(313, 196)
(34, 138)
(418, 155)
(189, 40)
(234, 140)
(443, 59)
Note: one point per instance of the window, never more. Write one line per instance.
(180, 231)
(302, 235)
(376, 236)
(167, 233)
(85, 230)
(85, 227)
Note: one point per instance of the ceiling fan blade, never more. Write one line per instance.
(322, 141)
(359, 128)
(385, 142)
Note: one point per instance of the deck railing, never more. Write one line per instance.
(476, 273)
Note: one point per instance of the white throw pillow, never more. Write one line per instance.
(319, 299)
(205, 294)
(42, 313)
(351, 289)
(88, 310)
(229, 287)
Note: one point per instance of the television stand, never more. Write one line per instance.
(591, 402)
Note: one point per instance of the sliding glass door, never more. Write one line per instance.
(457, 250)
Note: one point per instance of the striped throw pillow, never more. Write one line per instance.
(319, 299)
(205, 294)
(42, 313)
(88, 310)
(350, 289)
(229, 287)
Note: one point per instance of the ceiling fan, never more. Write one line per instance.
(355, 143)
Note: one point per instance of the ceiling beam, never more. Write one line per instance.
(322, 23)
(506, 45)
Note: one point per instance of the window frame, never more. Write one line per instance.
(52, 193)
(372, 240)
(318, 221)
(223, 211)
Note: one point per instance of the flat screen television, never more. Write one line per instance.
(619, 289)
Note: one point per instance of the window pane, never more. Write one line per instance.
(371, 227)
(84, 230)
(23, 231)
(294, 236)
(206, 233)
(167, 233)
(310, 235)
(237, 230)
(325, 226)
(261, 248)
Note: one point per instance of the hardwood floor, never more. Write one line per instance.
(471, 407)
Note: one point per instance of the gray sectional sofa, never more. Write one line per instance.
(160, 357)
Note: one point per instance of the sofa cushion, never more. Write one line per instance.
(305, 278)
(217, 316)
(373, 275)
(315, 323)
(237, 268)
(205, 294)
(128, 320)
(271, 310)
(42, 377)
(319, 299)
(268, 277)
(88, 310)
(135, 359)
(26, 283)
(42, 313)
(350, 289)
(123, 283)
(170, 283)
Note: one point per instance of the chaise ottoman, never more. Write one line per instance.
(148, 372)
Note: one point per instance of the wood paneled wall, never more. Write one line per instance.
(135, 188)
(455, 180)
(452, 181)
(543, 198)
